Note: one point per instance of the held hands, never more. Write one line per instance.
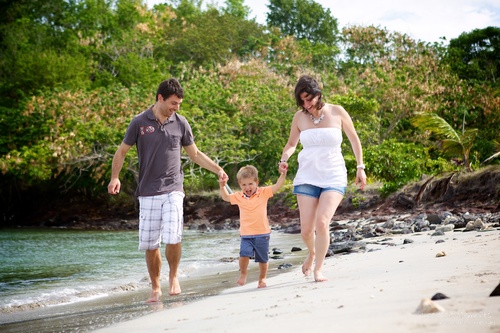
(282, 167)
(224, 191)
(223, 177)
(222, 182)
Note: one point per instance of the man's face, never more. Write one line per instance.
(170, 105)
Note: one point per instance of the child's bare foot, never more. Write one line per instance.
(242, 280)
(155, 297)
(262, 284)
(319, 277)
(307, 265)
(175, 288)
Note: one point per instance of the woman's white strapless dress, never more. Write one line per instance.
(321, 162)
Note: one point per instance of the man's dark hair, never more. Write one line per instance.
(307, 84)
(170, 87)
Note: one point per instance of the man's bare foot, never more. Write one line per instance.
(262, 284)
(175, 288)
(319, 277)
(307, 265)
(155, 297)
(242, 280)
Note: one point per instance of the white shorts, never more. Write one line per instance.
(161, 218)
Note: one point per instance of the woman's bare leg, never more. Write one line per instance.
(307, 210)
(328, 203)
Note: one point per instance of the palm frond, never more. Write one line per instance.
(451, 147)
(468, 138)
(435, 124)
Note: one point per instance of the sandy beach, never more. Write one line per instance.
(378, 290)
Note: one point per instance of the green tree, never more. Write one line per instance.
(475, 55)
(450, 141)
(313, 26)
(401, 74)
(236, 8)
(38, 49)
(186, 11)
(304, 19)
(120, 42)
(475, 58)
(396, 163)
(241, 111)
(211, 39)
(73, 74)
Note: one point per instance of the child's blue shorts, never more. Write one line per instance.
(257, 246)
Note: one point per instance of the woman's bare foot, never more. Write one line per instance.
(319, 277)
(175, 288)
(155, 297)
(242, 280)
(307, 265)
(262, 284)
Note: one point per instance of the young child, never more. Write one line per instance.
(254, 224)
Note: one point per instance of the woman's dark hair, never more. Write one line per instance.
(307, 84)
(168, 88)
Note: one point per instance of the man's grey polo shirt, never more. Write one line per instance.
(159, 149)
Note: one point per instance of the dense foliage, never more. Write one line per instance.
(74, 72)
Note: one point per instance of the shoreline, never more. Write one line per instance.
(88, 315)
(375, 291)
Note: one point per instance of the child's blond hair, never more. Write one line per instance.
(248, 171)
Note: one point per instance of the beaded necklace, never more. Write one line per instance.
(316, 121)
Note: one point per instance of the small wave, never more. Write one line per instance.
(67, 296)
(197, 268)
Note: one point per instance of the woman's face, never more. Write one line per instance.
(309, 102)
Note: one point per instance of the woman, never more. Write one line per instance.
(321, 179)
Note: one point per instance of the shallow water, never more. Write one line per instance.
(77, 281)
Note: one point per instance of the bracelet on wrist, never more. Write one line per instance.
(360, 166)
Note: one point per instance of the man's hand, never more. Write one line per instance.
(114, 186)
(223, 177)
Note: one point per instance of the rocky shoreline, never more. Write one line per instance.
(429, 206)
(453, 199)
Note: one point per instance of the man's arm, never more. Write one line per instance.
(116, 166)
(205, 162)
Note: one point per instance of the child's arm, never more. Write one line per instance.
(223, 190)
(281, 180)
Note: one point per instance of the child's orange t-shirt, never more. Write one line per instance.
(253, 211)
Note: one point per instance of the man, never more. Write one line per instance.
(159, 133)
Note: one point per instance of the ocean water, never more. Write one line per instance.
(58, 280)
